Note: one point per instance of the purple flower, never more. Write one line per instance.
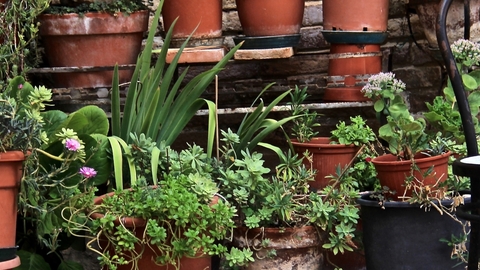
(88, 172)
(72, 144)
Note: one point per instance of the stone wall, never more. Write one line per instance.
(242, 80)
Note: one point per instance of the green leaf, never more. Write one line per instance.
(379, 105)
(469, 82)
(52, 120)
(70, 265)
(31, 261)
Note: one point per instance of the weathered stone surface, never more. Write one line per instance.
(264, 54)
(313, 13)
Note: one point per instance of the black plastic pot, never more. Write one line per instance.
(7, 254)
(405, 236)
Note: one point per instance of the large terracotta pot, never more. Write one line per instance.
(393, 173)
(147, 261)
(427, 11)
(92, 40)
(326, 158)
(11, 163)
(270, 17)
(355, 15)
(296, 247)
(348, 70)
(206, 14)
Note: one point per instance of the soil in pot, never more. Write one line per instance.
(296, 247)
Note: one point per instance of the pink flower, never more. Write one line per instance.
(88, 172)
(20, 86)
(72, 144)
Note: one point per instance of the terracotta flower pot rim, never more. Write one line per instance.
(14, 155)
(322, 142)
(76, 24)
(389, 158)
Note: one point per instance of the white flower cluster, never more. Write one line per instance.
(466, 52)
(383, 82)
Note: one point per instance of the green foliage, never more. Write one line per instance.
(404, 134)
(357, 132)
(285, 200)
(304, 124)
(158, 105)
(443, 113)
(124, 6)
(20, 119)
(19, 32)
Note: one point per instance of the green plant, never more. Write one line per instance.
(357, 132)
(20, 120)
(158, 105)
(124, 6)
(19, 33)
(181, 219)
(284, 200)
(304, 124)
(71, 164)
(443, 113)
(404, 134)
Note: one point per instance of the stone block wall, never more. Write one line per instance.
(242, 80)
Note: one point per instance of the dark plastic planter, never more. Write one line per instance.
(404, 236)
(7, 254)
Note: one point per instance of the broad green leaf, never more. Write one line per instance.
(469, 82)
(31, 261)
(52, 120)
(70, 265)
(379, 105)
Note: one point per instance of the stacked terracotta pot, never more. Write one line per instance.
(355, 29)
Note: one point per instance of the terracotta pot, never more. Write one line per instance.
(296, 248)
(147, 261)
(270, 17)
(347, 72)
(11, 174)
(393, 173)
(92, 40)
(326, 158)
(206, 14)
(355, 15)
(427, 11)
(10, 264)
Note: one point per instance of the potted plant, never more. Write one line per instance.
(408, 143)
(79, 35)
(326, 153)
(165, 211)
(425, 195)
(20, 131)
(281, 223)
